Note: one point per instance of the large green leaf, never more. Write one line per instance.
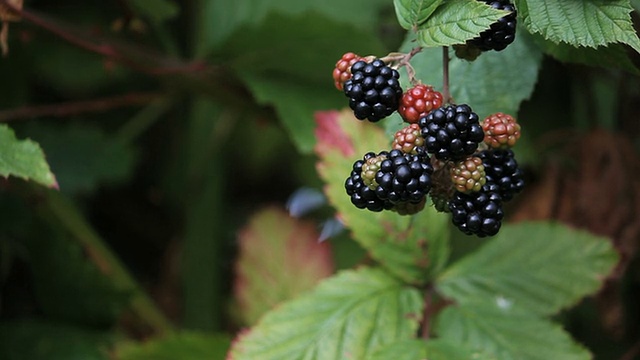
(296, 261)
(506, 332)
(219, 19)
(83, 156)
(589, 23)
(457, 21)
(39, 340)
(291, 70)
(414, 248)
(541, 267)
(179, 346)
(347, 316)
(23, 159)
(411, 13)
(436, 349)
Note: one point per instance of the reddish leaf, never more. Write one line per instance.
(330, 135)
(280, 257)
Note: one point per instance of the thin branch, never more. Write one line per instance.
(446, 93)
(78, 107)
(111, 49)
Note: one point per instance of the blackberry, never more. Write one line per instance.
(500, 131)
(374, 90)
(408, 139)
(418, 102)
(362, 196)
(451, 132)
(501, 168)
(409, 208)
(404, 177)
(478, 213)
(501, 33)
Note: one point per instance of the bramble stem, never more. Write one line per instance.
(426, 313)
(446, 93)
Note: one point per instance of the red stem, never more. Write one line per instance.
(426, 313)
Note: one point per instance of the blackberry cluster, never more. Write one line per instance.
(404, 178)
(478, 213)
(374, 90)
(401, 182)
(451, 132)
(502, 169)
(501, 33)
(362, 196)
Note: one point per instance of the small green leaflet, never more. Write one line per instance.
(457, 21)
(23, 159)
(411, 13)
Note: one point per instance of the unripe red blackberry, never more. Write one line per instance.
(374, 90)
(468, 175)
(342, 71)
(502, 169)
(408, 139)
(418, 101)
(404, 177)
(451, 132)
(361, 195)
(500, 131)
(478, 213)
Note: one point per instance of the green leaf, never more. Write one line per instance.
(296, 261)
(506, 332)
(83, 156)
(348, 316)
(590, 23)
(39, 340)
(23, 159)
(179, 346)
(495, 82)
(432, 349)
(540, 267)
(291, 70)
(415, 248)
(411, 13)
(218, 20)
(156, 10)
(613, 55)
(457, 21)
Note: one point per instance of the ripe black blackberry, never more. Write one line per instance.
(451, 132)
(501, 168)
(374, 90)
(478, 213)
(501, 33)
(404, 178)
(362, 196)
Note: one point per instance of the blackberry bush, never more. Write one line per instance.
(374, 91)
(451, 132)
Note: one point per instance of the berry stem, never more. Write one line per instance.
(426, 313)
(404, 59)
(446, 94)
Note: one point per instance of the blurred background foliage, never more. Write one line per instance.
(169, 125)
